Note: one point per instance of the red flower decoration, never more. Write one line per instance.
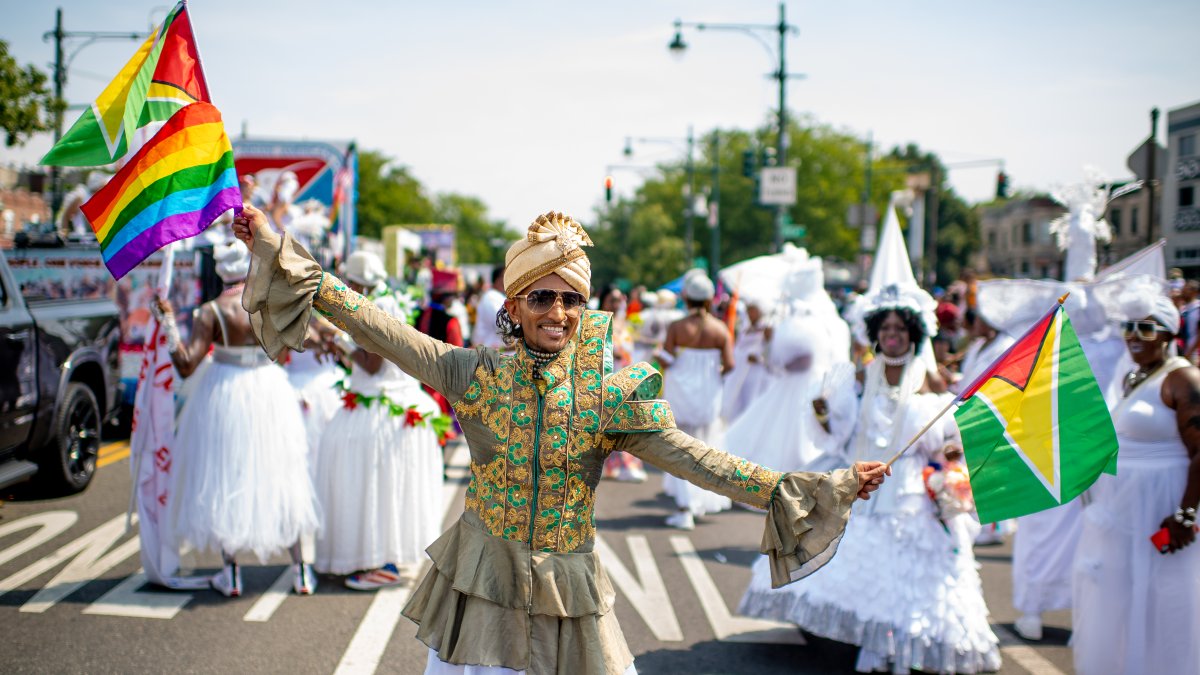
(413, 417)
(349, 400)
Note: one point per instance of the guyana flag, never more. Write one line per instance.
(163, 76)
(1036, 431)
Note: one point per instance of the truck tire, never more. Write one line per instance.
(70, 459)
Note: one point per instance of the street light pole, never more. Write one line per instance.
(781, 141)
(714, 209)
(779, 55)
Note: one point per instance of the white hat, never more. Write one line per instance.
(1136, 298)
(233, 261)
(666, 299)
(365, 268)
(697, 287)
(893, 285)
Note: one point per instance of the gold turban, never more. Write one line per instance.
(552, 246)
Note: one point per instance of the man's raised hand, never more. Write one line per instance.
(870, 477)
(247, 224)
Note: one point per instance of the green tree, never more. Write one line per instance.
(479, 238)
(27, 106)
(389, 195)
(636, 244)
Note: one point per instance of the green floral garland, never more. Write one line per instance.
(441, 424)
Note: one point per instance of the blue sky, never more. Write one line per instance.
(525, 103)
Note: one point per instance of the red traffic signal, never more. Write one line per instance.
(1001, 185)
(608, 189)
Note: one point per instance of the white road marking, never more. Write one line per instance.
(649, 597)
(726, 626)
(270, 601)
(1025, 656)
(375, 630)
(86, 560)
(126, 599)
(50, 524)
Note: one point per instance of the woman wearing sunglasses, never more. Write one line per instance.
(1137, 602)
(515, 583)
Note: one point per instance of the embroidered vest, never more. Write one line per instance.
(549, 434)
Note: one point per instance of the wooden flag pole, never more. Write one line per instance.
(921, 433)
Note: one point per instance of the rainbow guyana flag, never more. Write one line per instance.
(1035, 427)
(173, 188)
(163, 76)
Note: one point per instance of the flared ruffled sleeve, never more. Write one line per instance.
(806, 512)
(285, 285)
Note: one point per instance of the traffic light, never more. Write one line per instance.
(748, 167)
(1001, 185)
(608, 189)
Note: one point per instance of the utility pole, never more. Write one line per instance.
(714, 206)
(60, 79)
(781, 142)
(689, 203)
(1152, 162)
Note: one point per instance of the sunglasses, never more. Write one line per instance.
(543, 299)
(1146, 331)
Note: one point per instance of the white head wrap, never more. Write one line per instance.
(697, 287)
(553, 245)
(365, 268)
(233, 261)
(893, 286)
(1140, 300)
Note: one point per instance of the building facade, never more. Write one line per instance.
(1017, 242)
(1181, 183)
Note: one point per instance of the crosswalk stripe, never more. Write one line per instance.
(128, 600)
(1025, 656)
(726, 626)
(270, 601)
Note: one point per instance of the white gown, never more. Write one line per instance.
(692, 385)
(379, 479)
(747, 381)
(1136, 610)
(925, 609)
(243, 482)
(316, 386)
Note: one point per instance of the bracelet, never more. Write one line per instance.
(172, 331)
(1185, 517)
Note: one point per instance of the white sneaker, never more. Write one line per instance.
(228, 581)
(682, 520)
(1029, 626)
(629, 474)
(304, 582)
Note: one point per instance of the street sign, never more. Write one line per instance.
(777, 186)
(794, 231)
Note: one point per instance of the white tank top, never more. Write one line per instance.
(1146, 427)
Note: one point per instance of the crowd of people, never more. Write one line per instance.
(553, 386)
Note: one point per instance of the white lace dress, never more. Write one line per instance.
(924, 609)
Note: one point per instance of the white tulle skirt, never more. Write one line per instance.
(778, 428)
(242, 480)
(380, 486)
(316, 385)
(436, 666)
(918, 604)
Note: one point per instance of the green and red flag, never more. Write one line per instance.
(163, 76)
(1035, 428)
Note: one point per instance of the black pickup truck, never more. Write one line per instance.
(59, 374)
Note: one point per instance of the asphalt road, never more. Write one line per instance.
(71, 600)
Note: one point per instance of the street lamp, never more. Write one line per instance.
(783, 28)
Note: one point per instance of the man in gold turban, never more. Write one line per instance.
(515, 583)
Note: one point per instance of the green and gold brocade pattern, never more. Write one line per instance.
(562, 423)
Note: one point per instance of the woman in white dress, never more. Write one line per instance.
(696, 354)
(379, 466)
(242, 480)
(748, 380)
(1136, 607)
(926, 609)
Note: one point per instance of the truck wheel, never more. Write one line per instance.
(70, 460)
